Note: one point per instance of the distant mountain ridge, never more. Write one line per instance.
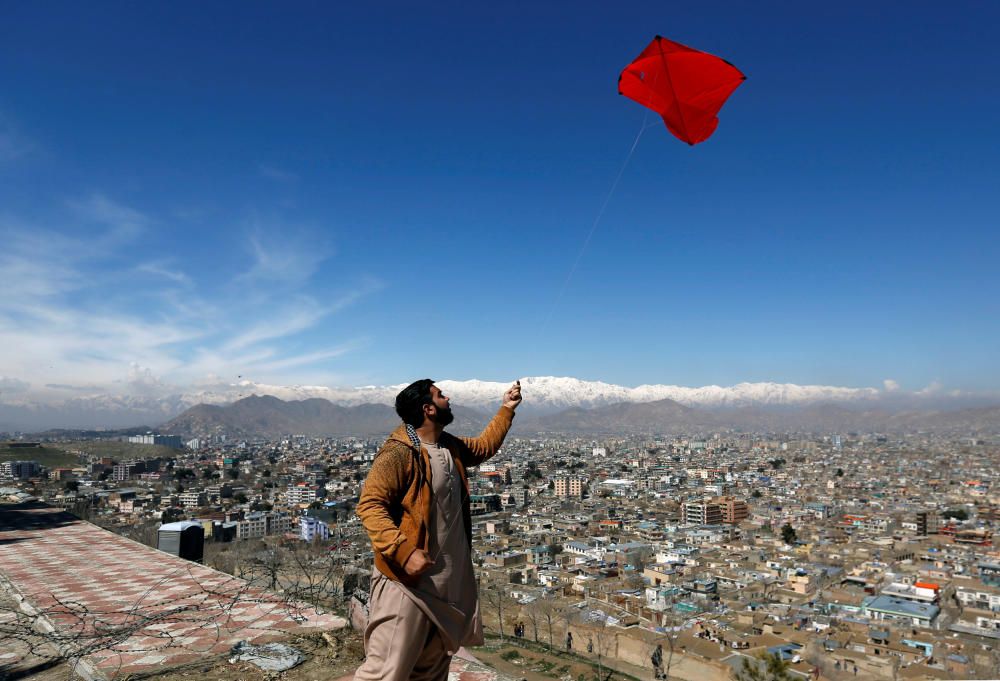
(669, 417)
(267, 417)
(92, 408)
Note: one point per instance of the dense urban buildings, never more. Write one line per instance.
(845, 550)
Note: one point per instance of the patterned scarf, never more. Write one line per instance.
(412, 434)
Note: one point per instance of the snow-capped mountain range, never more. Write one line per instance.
(543, 395)
(552, 393)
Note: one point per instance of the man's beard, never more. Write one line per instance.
(442, 417)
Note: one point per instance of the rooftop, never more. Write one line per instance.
(898, 606)
(137, 609)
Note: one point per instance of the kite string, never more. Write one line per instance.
(597, 221)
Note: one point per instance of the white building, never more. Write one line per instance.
(259, 524)
(313, 528)
(300, 494)
(192, 499)
(980, 599)
(21, 470)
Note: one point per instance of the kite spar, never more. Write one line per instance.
(687, 87)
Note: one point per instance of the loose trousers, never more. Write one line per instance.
(401, 642)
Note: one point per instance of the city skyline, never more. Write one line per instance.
(285, 200)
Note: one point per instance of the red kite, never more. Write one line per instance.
(687, 87)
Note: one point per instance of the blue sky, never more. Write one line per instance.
(332, 195)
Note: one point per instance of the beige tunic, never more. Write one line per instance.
(448, 590)
(447, 593)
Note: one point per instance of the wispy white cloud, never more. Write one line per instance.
(277, 174)
(80, 316)
(288, 259)
(308, 359)
(299, 315)
(890, 385)
(933, 388)
(162, 268)
(120, 221)
(75, 388)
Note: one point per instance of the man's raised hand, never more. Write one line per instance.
(512, 397)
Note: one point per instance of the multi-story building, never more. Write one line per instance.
(128, 469)
(569, 487)
(484, 503)
(977, 536)
(258, 524)
(701, 513)
(192, 499)
(300, 494)
(919, 592)
(253, 526)
(927, 523)
(898, 610)
(20, 470)
(734, 511)
(173, 441)
(278, 523)
(982, 599)
(219, 492)
(521, 495)
(313, 528)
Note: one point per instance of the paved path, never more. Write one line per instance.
(129, 608)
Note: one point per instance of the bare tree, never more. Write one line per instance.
(550, 612)
(262, 567)
(497, 597)
(534, 614)
(672, 624)
(602, 641)
(314, 574)
(144, 533)
(300, 571)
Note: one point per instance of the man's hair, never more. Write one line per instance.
(410, 402)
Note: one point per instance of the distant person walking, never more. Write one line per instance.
(424, 603)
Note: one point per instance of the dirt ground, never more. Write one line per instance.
(327, 659)
(534, 663)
